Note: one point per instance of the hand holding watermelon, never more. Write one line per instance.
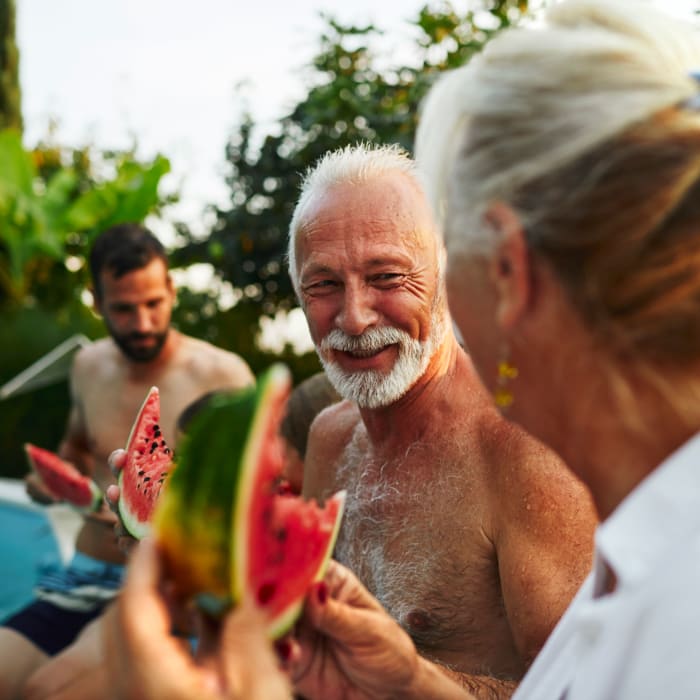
(125, 540)
(351, 647)
(226, 529)
(143, 659)
(54, 479)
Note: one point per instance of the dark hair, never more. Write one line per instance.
(307, 400)
(121, 249)
(195, 407)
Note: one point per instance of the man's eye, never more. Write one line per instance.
(387, 278)
(320, 286)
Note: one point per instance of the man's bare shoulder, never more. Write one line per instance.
(336, 424)
(329, 435)
(94, 358)
(516, 457)
(220, 366)
(541, 491)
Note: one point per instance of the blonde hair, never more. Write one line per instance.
(586, 128)
(353, 165)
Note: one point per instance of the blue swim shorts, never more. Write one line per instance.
(66, 600)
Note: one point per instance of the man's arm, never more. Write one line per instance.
(74, 446)
(481, 687)
(544, 525)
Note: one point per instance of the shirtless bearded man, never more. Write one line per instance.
(110, 378)
(470, 532)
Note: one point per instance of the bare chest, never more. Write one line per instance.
(414, 534)
(110, 408)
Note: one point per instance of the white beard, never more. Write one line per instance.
(371, 388)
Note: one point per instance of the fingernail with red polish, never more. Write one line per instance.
(284, 649)
(322, 593)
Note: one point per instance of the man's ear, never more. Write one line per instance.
(510, 265)
(171, 285)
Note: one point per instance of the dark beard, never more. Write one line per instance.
(138, 353)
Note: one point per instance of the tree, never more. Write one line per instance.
(10, 96)
(52, 203)
(351, 99)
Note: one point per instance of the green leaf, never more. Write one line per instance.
(17, 170)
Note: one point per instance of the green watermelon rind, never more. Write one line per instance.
(199, 499)
(135, 527)
(273, 390)
(271, 386)
(95, 491)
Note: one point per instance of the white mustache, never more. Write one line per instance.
(372, 340)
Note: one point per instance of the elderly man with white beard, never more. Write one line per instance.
(472, 534)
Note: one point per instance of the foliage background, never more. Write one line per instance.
(54, 198)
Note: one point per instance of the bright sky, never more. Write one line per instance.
(163, 72)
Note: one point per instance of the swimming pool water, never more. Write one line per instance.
(27, 542)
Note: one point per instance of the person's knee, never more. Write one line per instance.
(19, 659)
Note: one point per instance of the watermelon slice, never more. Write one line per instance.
(148, 462)
(225, 526)
(281, 543)
(63, 481)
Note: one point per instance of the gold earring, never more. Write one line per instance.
(503, 396)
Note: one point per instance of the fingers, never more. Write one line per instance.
(248, 665)
(125, 541)
(340, 607)
(144, 571)
(116, 461)
(112, 495)
(341, 584)
(36, 489)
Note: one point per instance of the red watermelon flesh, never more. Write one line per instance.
(63, 481)
(282, 543)
(148, 462)
(290, 553)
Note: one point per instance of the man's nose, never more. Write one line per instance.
(357, 312)
(143, 321)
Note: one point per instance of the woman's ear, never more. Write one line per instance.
(510, 265)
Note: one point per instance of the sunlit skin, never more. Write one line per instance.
(364, 262)
(470, 534)
(472, 307)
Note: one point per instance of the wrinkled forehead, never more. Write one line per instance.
(387, 210)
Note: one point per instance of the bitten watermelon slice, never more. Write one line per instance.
(281, 543)
(148, 462)
(224, 525)
(63, 481)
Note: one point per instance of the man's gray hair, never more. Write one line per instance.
(350, 165)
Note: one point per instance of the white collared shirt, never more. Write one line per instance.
(643, 640)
